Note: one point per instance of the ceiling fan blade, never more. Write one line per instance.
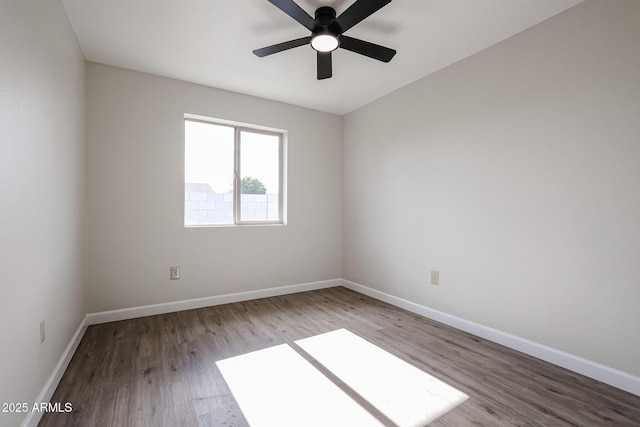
(270, 50)
(296, 12)
(324, 65)
(358, 12)
(371, 50)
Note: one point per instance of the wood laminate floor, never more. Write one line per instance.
(161, 371)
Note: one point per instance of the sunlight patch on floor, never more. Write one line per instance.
(278, 387)
(407, 395)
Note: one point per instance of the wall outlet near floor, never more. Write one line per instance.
(435, 277)
(174, 273)
(41, 331)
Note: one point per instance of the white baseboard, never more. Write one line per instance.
(613, 377)
(33, 418)
(170, 307)
(602, 373)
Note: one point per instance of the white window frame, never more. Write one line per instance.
(237, 174)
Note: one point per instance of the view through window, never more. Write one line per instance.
(233, 174)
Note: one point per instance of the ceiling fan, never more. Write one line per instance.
(327, 33)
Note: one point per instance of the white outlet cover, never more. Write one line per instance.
(435, 277)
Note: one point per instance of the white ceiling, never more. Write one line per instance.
(210, 42)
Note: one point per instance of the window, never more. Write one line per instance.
(233, 174)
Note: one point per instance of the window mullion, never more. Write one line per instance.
(237, 202)
(281, 178)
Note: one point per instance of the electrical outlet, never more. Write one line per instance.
(435, 277)
(174, 273)
(41, 331)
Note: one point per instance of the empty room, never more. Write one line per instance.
(320, 213)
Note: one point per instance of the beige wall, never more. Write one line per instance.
(41, 194)
(515, 173)
(135, 137)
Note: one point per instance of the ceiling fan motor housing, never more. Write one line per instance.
(326, 22)
(325, 15)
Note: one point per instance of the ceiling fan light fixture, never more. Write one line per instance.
(324, 42)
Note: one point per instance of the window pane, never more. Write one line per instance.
(260, 177)
(208, 173)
